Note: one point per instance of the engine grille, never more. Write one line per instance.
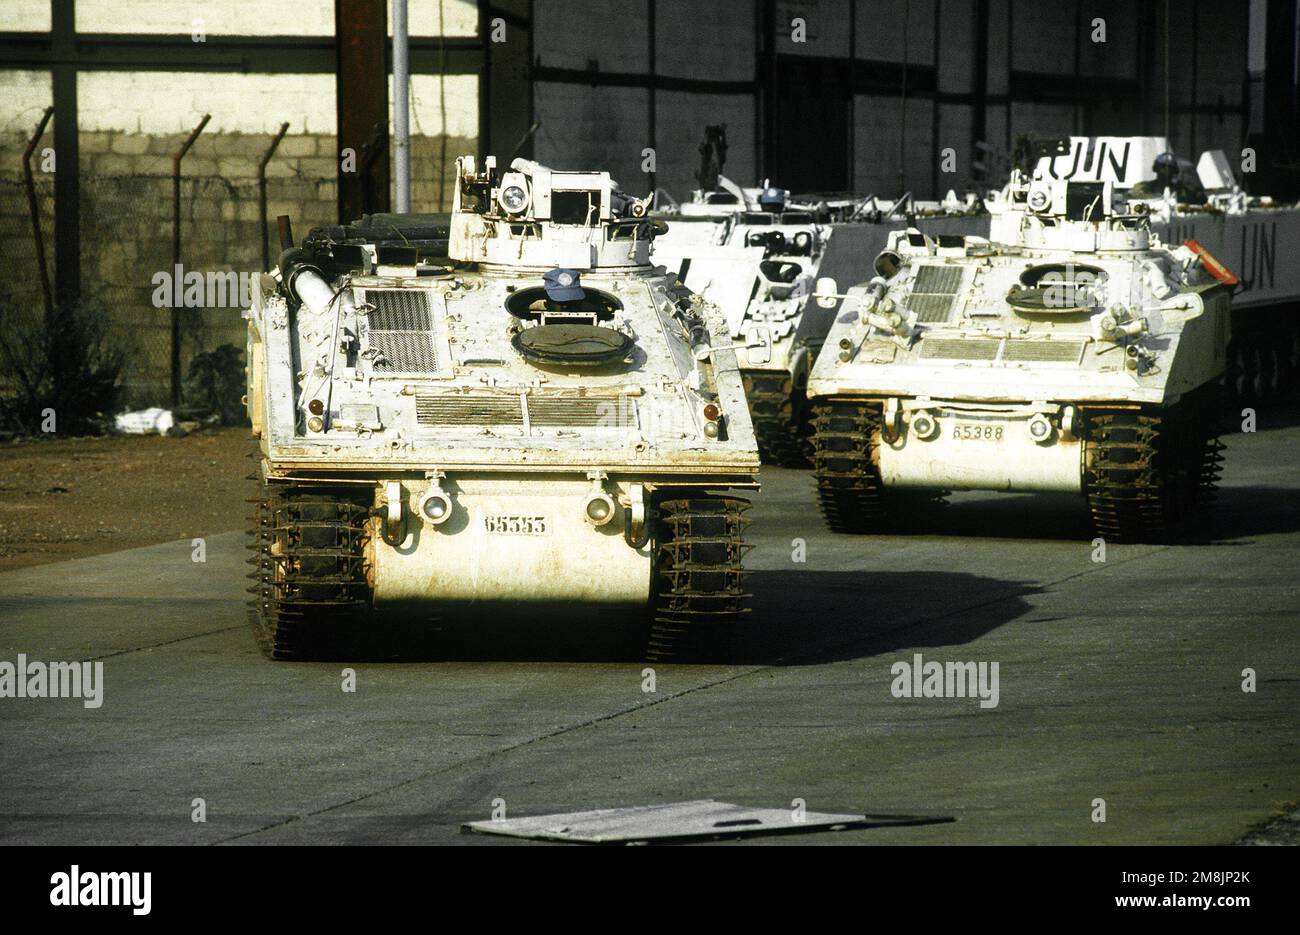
(582, 413)
(932, 309)
(404, 351)
(960, 349)
(399, 326)
(1059, 352)
(543, 411)
(944, 279)
(934, 293)
(1014, 350)
(399, 310)
(468, 410)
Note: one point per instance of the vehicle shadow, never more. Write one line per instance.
(797, 618)
(814, 617)
(1246, 512)
(1241, 512)
(999, 516)
(1268, 416)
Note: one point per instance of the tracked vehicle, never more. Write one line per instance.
(756, 253)
(1254, 235)
(756, 256)
(539, 421)
(1070, 351)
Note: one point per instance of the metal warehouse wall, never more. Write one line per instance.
(878, 89)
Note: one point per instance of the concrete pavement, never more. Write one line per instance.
(1118, 681)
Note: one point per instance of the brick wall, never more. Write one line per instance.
(231, 17)
(127, 223)
(132, 123)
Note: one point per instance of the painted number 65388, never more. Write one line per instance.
(969, 432)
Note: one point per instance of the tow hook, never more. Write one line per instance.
(392, 526)
(636, 530)
(892, 419)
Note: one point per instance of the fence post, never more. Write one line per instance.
(261, 194)
(36, 215)
(176, 254)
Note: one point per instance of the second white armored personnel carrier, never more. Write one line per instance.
(543, 421)
(757, 255)
(1071, 351)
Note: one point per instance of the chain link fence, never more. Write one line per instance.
(127, 273)
(20, 284)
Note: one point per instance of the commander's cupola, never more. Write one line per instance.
(1057, 214)
(538, 218)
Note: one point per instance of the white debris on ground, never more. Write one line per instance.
(145, 421)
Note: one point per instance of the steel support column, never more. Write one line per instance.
(361, 95)
(67, 156)
(506, 122)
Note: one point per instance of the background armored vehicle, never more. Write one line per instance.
(756, 254)
(544, 421)
(1071, 351)
(1253, 235)
(756, 257)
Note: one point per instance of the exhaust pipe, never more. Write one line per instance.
(304, 283)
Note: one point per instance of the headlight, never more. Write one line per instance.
(435, 506)
(924, 426)
(1040, 429)
(599, 509)
(513, 198)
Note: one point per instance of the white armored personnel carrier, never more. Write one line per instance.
(756, 257)
(1070, 351)
(757, 254)
(541, 421)
(1254, 235)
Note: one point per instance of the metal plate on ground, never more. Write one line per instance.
(700, 820)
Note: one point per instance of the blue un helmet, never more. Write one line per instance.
(562, 285)
(1166, 167)
(771, 198)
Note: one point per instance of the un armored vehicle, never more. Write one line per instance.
(1070, 351)
(540, 420)
(1254, 235)
(756, 256)
(757, 253)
